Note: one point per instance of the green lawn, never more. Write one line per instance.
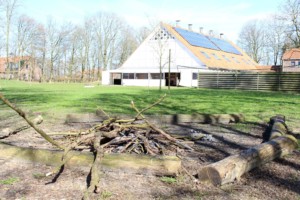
(62, 98)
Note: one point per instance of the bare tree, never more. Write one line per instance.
(55, 39)
(127, 45)
(252, 39)
(275, 38)
(74, 41)
(160, 45)
(142, 34)
(26, 38)
(8, 7)
(290, 16)
(85, 44)
(108, 32)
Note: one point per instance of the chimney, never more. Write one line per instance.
(177, 23)
(211, 32)
(190, 27)
(221, 35)
(201, 29)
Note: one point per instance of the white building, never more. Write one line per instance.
(182, 52)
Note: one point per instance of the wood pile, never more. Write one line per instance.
(135, 136)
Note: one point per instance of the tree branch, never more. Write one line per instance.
(23, 115)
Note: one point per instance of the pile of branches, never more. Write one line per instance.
(136, 135)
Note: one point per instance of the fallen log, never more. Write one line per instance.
(233, 167)
(201, 118)
(159, 165)
(162, 119)
(276, 128)
(4, 133)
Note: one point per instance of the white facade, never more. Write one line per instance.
(142, 68)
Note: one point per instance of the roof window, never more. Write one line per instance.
(226, 58)
(205, 54)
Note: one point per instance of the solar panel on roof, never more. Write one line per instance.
(196, 39)
(199, 40)
(224, 45)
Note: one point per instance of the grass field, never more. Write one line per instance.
(62, 98)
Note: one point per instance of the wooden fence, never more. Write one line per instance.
(271, 81)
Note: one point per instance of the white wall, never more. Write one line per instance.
(105, 78)
(142, 82)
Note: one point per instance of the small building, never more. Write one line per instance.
(291, 60)
(182, 52)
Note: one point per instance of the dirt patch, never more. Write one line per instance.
(279, 179)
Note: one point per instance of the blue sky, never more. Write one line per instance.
(226, 16)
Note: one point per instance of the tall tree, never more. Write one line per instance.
(8, 7)
(290, 16)
(55, 39)
(252, 39)
(85, 40)
(26, 37)
(108, 32)
(127, 44)
(142, 34)
(275, 38)
(74, 40)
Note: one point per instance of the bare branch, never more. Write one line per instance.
(23, 115)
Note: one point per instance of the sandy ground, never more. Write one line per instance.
(279, 179)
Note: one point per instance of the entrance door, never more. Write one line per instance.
(174, 77)
(116, 78)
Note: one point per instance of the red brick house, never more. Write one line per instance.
(291, 61)
(20, 67)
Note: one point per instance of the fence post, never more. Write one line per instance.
(279, 80)
(218, 79)
(257, 81)
(235, 80)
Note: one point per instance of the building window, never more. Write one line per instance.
(128, 75)
(216, 57)
(227, 59)
(141, 76)
(235, 60)
(156, 76)
(293, 63)
(162, 34)
(245, 61)
(298, 63)
(205, 54)
(195, 76)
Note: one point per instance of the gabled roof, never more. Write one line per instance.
(214, 52)
(291, 54)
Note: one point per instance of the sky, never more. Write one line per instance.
(222, 16)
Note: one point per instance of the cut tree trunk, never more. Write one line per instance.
(276, 128)
(233, 167)
(164, 165)
(200, 118)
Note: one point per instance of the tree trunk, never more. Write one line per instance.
(276, 128)
(233, 167)
(166, 165)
